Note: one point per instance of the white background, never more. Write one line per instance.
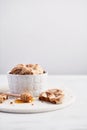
(52, 33)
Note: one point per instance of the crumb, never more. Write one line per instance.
(32, 104)
(11, 102)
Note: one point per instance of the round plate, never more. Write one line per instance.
(36, 106)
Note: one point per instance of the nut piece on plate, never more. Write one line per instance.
(54, 96)
(3, 97)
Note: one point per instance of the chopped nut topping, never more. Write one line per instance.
(25, 69)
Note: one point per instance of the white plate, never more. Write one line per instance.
(37, 106)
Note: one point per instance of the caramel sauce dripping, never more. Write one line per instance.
(19, 101)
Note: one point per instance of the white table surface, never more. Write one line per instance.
(73, 117)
